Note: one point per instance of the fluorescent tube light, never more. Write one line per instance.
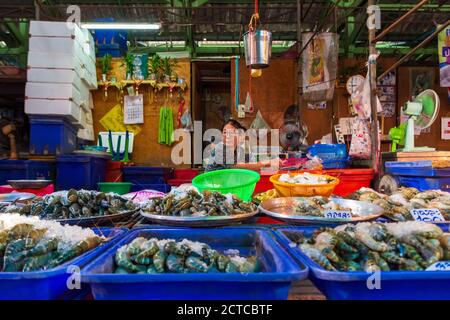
(116, 25)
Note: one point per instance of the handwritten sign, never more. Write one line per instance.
(427, 215)
(439, 266)
(336, 214)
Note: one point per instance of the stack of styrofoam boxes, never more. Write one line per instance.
(61, 73)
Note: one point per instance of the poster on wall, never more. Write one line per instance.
(113, 121)
(420, 79)
(387, 93)
(444, 57)
(445, 128)
(133, 111)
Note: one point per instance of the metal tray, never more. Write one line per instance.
(207, 221)
(283, 209)
(97, 220)
(29, 184)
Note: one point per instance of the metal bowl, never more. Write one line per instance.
(207, 221)
(29, 184)
(284, 209)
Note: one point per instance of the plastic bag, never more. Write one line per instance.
(248, 103)
(361, 145)
(259, 122)
(186, 121)
(314, 163)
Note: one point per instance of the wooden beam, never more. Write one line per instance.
(400, 20)
(420, 45)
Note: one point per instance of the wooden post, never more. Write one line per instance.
(299, 47)
(373, 105)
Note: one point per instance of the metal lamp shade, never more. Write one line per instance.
(258, 48)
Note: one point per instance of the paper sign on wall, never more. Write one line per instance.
(445, 128)
(113, 121)
(133, 109)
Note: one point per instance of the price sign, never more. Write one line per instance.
(439, 266)
(335, 214)
(427, 215)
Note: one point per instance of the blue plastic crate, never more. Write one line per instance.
(52, 136)
(141, 175)
(422, 183)
(279, 270)
(157, 187)
(328, 152)
(395, 285)
(420, 175)
(52, 284)
(80, 171)
(26, 170)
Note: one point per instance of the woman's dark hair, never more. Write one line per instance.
(235, 124)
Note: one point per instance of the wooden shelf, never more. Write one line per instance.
(158, 85)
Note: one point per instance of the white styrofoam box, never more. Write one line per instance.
(57, 29)
(53, 107)
(90, 43)
(91, 101)
(52, 91)
(84, 94)
(89, 79)
(46, 75)
(88, 119)
(56, 45)
(86, 133)
(54, 61)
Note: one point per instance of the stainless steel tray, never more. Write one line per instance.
(29, 184)
(207, 221)
(284, 209)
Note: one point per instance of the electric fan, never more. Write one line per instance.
(422, 113)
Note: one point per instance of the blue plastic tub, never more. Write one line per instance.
(147, 175)
(279, 270)
(394, 285)
(80, 171)
(328, 152)
(158, 187)
(26, 170)
(420, 175)
(51, 284)
(52, 136)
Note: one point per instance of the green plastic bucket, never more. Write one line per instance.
(116, 187)
(240, 182)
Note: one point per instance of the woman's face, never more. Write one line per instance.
(230, 135)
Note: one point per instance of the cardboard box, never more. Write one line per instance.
(65, 108)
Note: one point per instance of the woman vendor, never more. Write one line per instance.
(228, 153)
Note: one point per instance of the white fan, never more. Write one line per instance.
(422, 113)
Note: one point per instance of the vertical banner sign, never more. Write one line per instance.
(444, 58)
(133, 111)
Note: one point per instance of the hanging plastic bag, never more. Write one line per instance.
(186, 121)
(361, 145)
(361, 98)
(259, 122)
(248, 103)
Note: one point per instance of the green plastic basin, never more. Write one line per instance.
(239, 182)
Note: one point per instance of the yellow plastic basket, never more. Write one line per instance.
(304, 190)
